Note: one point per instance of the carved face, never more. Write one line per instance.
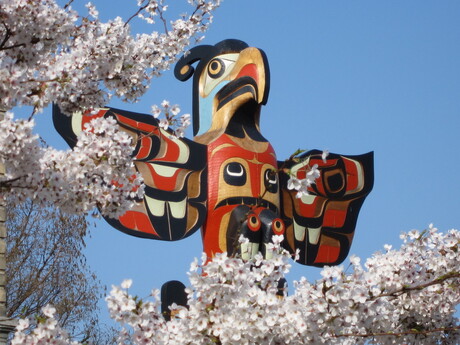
(246, 197)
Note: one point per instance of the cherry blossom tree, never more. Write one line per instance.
(399, 296)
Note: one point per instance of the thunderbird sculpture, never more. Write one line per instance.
(228, 181)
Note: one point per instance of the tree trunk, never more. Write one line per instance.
(6, 324)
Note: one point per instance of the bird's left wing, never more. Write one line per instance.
(321, 225)
(173, 169)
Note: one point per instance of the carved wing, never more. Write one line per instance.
(322, 224)
(174, 172)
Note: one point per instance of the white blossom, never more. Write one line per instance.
(324, 155)
(49, 311)
(126, 284)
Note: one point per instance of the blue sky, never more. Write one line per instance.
(347, 76)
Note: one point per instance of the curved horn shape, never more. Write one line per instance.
(184, 69)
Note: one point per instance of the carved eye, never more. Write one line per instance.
(271, 181)
(278, 226)
(234, 174)
(335, 181)
(216, 68)
(254, 222)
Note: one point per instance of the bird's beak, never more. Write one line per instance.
(248, 80)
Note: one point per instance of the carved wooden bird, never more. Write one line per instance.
(228, 181)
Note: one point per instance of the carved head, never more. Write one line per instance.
(228, 76)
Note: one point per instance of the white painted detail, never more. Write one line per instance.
(299, 232)
(299, 166)
(308, 199)
(211, 83)
(245, 251)
(233, 173)
(268, 254)
(76, 122)
(157, 207)
(255, 249)
(313, 235)
(275, 179)
(163, 170)
(360, 171)
(178, 208)
(184, 152)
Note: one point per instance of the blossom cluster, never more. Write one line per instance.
(45, 330)
(50, 53)
(171, 119)
(98, 172)
(404, 296)
(313, 173)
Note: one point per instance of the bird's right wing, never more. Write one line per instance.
(174, 172)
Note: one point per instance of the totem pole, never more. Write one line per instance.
(228, 181)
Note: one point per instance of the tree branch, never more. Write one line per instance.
(368, 335)
(407, 289)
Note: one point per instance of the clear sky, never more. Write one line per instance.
(347, 76)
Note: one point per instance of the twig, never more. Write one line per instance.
(13, 46)
(5, 183)
(136, 14)
(160, 13)
(68, 4)
(367, 335)
(7, 35)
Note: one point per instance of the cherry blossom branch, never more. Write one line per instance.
(137, 13)
(407, 289)
(397, 334)
(198, 7)
(163, 19)
(8, 34)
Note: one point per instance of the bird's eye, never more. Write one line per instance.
(254, 222)
(271, 181)
(235, 174)
(278, 226)
(216, 68)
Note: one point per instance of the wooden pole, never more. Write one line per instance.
(7, 325)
